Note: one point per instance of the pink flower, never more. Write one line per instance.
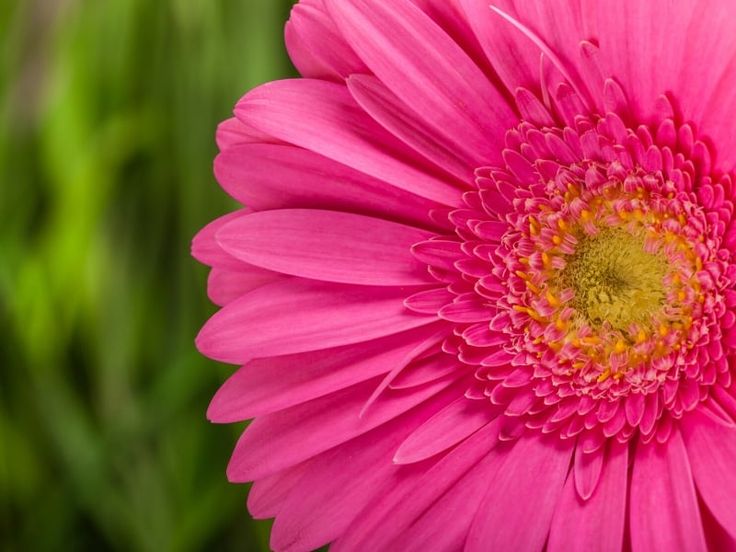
(482, 290)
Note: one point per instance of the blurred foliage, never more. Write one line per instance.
(107, 114)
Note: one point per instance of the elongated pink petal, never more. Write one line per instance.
(268, 176)
(426, 69)
(387, 519)
(664, 508)
(717, 537)
(450, 16)
(328, 246)
(711, 449)
(225, 286)
(279, 440)
(429, 302)
(315, 45)
(394, 115)
(232, 133)
(427, 369)
(516, 60)
(331, 494)
(531, 479)
(206, 249)
(270, 384)
(707, 71)
(267, 495)
(596, 523)
(432, 531)
(322, 117)
(445, 429)
(587, 469)
(302, 315)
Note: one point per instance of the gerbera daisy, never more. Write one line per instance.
(482, 286)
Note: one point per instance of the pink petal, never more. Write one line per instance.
(704, 85)
(279, 440)
(395, 116)
(439, 253)
(322, 117)
(328, 246)
(515, 60)
(634, 408)
(382, 522)
(467, 312)
(225, 286)
(296, 316)
(268, 176)
(427, 369)
(428, 71)
(430, 343)
(450, 16)
(332, 492)
(446, 524)
(526, 488)
(429, 302)
(315, 45)
(717, 537)
(712, 452)
(206, 249)
(664, 508)
(445, 429)
(270, 384)
(587, 469)
(597, 523)
(521, 31)
(267, 495)
(618, 49)
(232, 132)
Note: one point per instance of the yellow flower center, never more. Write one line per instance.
(615, 280)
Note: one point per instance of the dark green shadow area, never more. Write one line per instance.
(107, 116)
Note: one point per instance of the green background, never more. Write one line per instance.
(108, 110)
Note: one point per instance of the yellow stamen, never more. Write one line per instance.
(534, 289)
(533, 226)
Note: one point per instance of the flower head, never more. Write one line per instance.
(482, 288)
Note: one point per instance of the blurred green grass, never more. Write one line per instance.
(107, 114)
